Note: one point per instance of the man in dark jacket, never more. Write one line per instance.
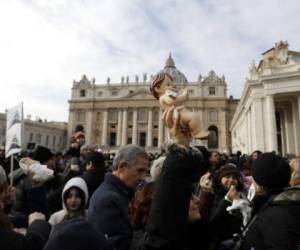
(109, 205)
(276, 218)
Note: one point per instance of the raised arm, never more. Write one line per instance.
(166, 100)
(183, 97)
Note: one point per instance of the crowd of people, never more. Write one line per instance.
(185, 198)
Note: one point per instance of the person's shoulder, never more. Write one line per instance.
(57, 217)
(288, 196)
(10, 238)
(104, 195)
(24, 182)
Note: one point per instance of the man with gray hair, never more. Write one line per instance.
(109, 205)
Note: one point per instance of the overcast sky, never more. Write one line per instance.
(45, 45)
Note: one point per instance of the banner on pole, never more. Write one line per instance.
(14, 124)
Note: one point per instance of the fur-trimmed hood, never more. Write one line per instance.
(291, 194)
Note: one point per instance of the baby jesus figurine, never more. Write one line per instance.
(163, 89)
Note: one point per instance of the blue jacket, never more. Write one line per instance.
(109, 211)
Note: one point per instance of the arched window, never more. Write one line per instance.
(213, 138)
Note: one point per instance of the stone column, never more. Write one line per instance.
(124, 128)
(271, 124)
(249, 144)
(160, 129)
(296, 121)
(119, 131)
(298, 104)
(289, 130)
(223, 142)
(134, 127)
(104, 128)
(71, 124)
(166, 134)
(257, 125)
(149, 129)
(283, 132)
(89, 127)
(253, 128)
(200, 113)
(246, 132)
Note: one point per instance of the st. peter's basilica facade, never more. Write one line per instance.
(116, 114)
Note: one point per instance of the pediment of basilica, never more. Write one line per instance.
(139, 94)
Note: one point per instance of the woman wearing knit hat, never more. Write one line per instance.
(227, 186)
(275, 222)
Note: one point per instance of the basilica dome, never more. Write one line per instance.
(178, 77)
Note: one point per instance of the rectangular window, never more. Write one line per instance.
(80, 116)
(47, 140)
(112, 139)
(212, 116)
(38, 138)
(142, 115)
(54, 141)
(98, 116)
(113, 115)
(191, 92)
(31, 137)
(142, 139)
(212, 90)
(82, 93)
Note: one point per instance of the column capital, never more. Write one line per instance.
(268, 96)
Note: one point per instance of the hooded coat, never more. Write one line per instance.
(74, 182)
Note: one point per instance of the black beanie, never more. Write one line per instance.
(271, 171)
(97, 159)
(42, 154)
(76, 234)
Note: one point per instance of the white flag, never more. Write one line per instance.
(14, 125)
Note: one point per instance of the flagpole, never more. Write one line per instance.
(11, 170)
